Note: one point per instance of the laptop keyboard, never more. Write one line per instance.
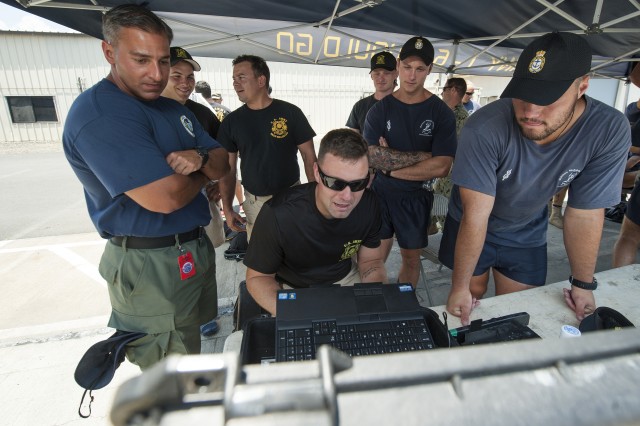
(355, 340)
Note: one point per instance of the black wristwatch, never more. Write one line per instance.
(584, 285)
(203, 153)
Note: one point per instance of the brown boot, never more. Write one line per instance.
(433, 228)
(556, 218)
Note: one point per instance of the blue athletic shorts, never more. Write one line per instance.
(524, 265)
(405, 214)
(633, 206)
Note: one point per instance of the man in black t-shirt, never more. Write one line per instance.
(309, 234)
(383, 74)
(267, 135)
(180, 85)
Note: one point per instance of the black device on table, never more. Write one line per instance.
(501, 329)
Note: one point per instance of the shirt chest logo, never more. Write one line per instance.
(426, 128)
(566, 177)
(188, 125)
(350, 249)
(279, 128)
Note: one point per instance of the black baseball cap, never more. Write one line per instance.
(179, 54)
(547, 67)
(384, 60)
(420, 47)
(99, 364)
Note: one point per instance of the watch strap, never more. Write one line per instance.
(203, 153)
(582, 284)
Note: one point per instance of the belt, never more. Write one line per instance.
(158, 242)
(259, 197)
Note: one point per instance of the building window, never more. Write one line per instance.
(30, 109)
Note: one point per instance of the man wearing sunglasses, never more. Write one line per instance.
(469, 104)
(309, 234)
(412, 139)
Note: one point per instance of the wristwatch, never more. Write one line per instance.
(203, 153)
(584, 285)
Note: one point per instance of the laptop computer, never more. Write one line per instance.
(365, 319)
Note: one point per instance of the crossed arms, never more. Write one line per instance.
(413, 165)
(175, 191)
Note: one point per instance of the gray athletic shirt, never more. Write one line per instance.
(494, 158)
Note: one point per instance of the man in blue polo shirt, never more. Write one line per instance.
(143, 160)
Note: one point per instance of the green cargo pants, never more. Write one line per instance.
(147, 294)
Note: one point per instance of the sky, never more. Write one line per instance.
(16, 20)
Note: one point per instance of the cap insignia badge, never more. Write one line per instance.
(537, 63)
(418, 44)
(380, 60)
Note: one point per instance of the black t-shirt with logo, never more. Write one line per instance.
(267, 142)
(205, 117)
(293, 240)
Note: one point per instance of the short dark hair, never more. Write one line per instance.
(459, 84)
(343, 143)
(132, 16)
(258, 65)
(204, 89)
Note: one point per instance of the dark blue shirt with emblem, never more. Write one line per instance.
(116, 143)
(428, 126)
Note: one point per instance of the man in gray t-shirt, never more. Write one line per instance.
(513, 156)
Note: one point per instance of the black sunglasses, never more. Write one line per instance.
(336, 184)
(469, 93)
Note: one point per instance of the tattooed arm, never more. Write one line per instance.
(385, 158)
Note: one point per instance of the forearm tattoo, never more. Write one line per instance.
(383, 158)
(368, 272)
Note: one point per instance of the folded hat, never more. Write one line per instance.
(547, 67)
(98, 365)
(604, 318)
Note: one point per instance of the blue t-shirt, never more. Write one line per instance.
(427, 126)
(632, 112)
(496, 159)
(116, 143)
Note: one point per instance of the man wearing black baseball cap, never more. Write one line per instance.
(181, 84)
(383, 74)
(513, 156)
(412, 139)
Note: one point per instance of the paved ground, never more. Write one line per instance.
(55, 306)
